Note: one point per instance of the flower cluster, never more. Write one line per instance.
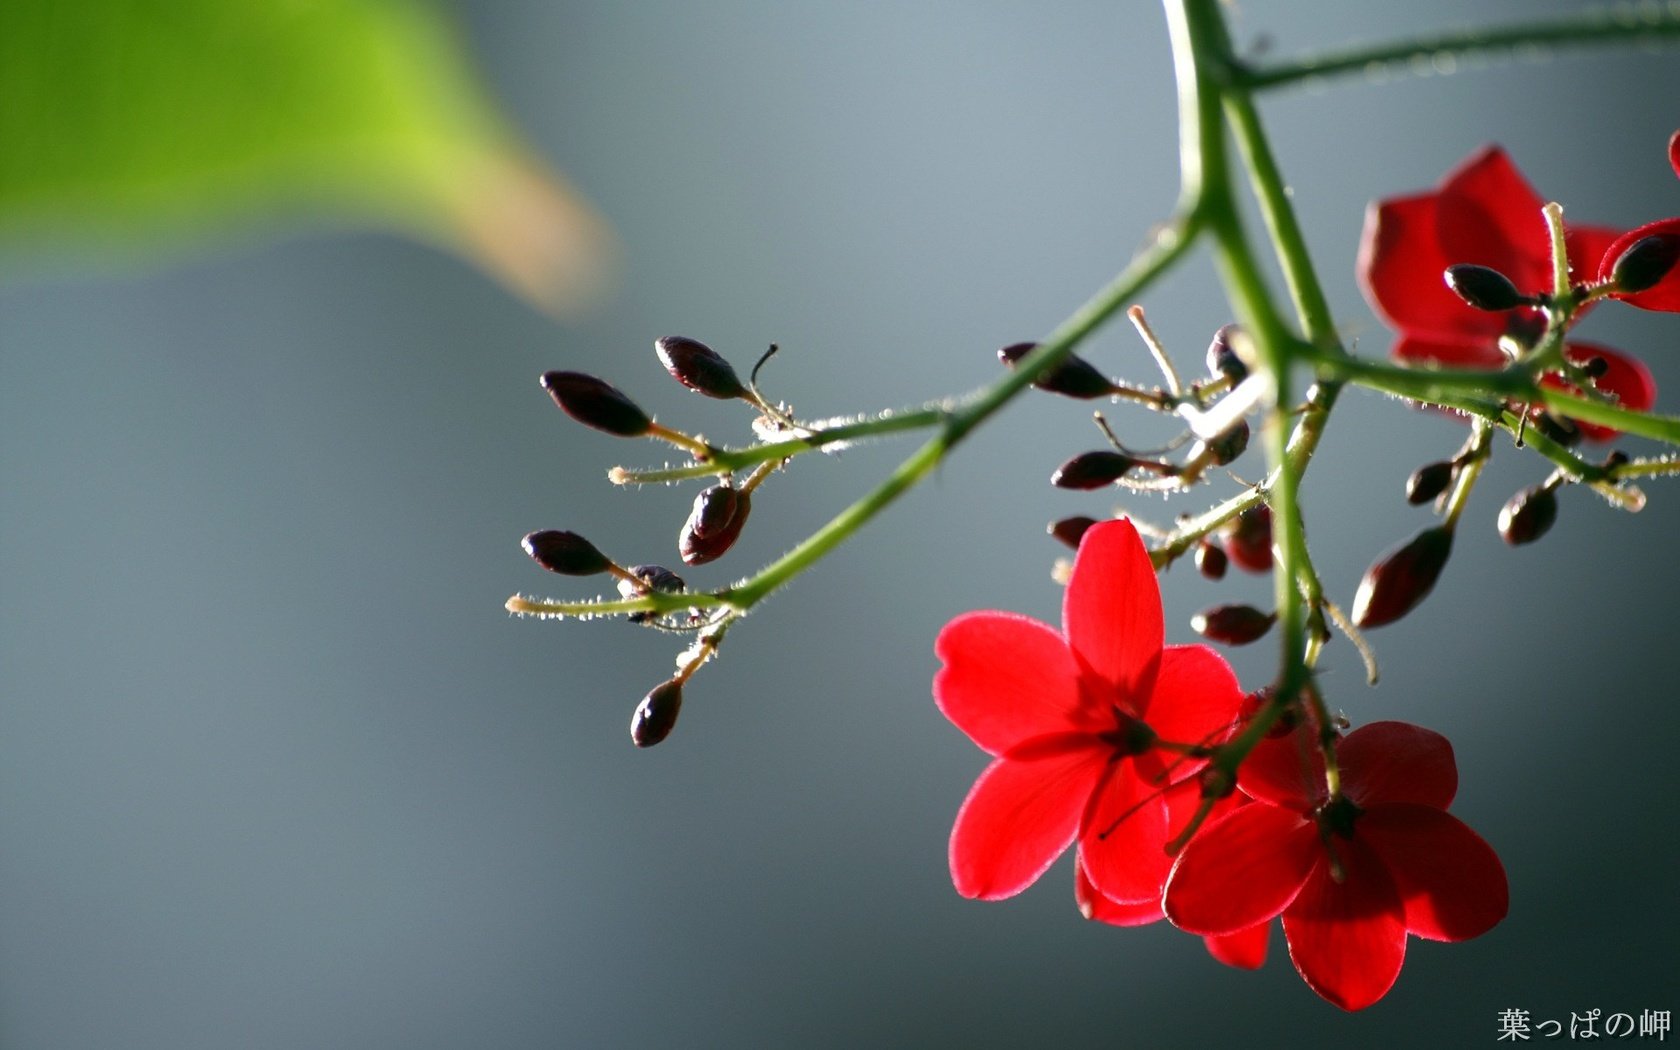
(1098, 733)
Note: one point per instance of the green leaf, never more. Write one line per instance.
(128, 126)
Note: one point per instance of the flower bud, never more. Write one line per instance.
(1222, 359)
(566, 553)
(1248, 539)
(656, 714)
(1429, 481)
(1211, 560)
(1226, 447)
(1483, 287)
(1232, 624)
(698, 367)
(596, 403)
(1401, 578)
(713, 524)
(1092, 470)
(1069, 530)
(1645, 262)
(1074, 377)
(653, 577)
(1563, 431)
(1595, 367)
(1528, 515)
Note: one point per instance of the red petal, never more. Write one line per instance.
(1196, 697)
(1006, 679)
(1112, 610)
(1488, 214)
(1093, 905)
(1241, 870)
(1473, 351)
(1123, 839)
(1348, 939)
(1627, 378)
(1674, 153)
(1287, 771)
(1665, 294)
(1402, 272)
(1245, 949)
(1398, 762)
(1589, 252)
(1019, 817)
(1450, 880)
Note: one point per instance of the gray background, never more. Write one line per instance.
(277, 771)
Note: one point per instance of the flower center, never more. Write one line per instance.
(1132, 736)
(1337, 816)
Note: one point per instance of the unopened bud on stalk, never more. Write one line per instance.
(656, 714)
(1248, 539)
(1092, 470)
(1069, 530)
(1484, 288)
(1074, 377)
(1429, 481)
(1645, 262)
(1563, 431)
(1528, 515)
(713, 524)
(699, 367)
(596, 403)
(1226, 447)
(1402, 578)
(654, 578)
(1210, 559)
(566, 553)
(1222, 359)
(1232, 624)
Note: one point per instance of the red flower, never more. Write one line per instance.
(1665, 294)
(1078, 721)
(1484, 213)
(1351, 876)
(1245, 949)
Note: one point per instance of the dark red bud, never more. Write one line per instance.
(1092, 470)
(713, 524)
(1484, 288)
(1402, 578)
(1222, 359)
(1069, 530)
(1074, 377)
(1563, 431)
(1528, 515)
(1232, 624)
(1429, 481)
(596, 403)
(1595, 367)
(1248, 539)
(1211, 560)
(656, 714)
(655, 577)
(699, 367)
(566, 553)
(1227, 446)
(1645, 262)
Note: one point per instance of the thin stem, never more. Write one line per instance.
(1169, 244)
(1440, 52)
(726, 461)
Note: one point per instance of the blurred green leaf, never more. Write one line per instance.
(128, 126)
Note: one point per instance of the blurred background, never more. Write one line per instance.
(276, 770)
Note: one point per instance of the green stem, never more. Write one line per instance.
(1169, 244)
(727, 461)
(1634, 23)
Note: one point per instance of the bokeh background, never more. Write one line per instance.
(276, 770)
